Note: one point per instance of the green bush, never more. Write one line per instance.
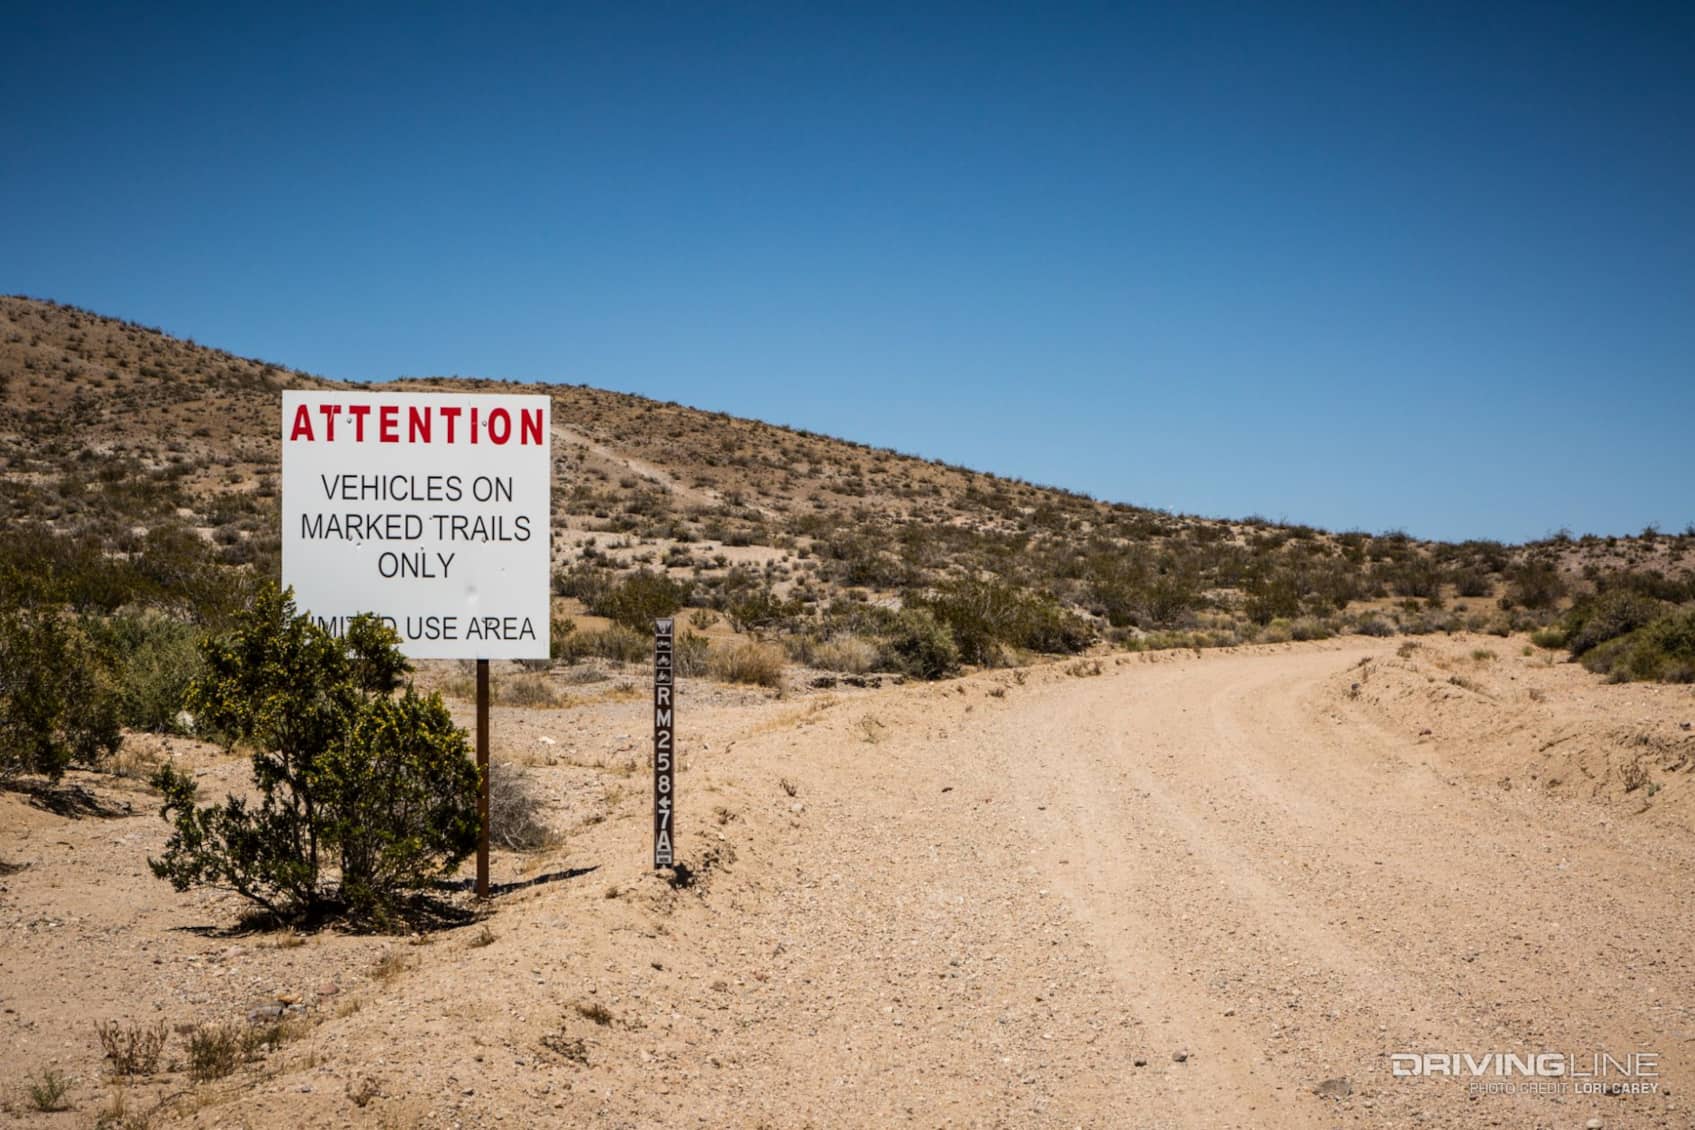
(1616, 612)
(364, 797)
(154, 658)
(588, 583)
(640, 599)
(1273, 594)
(56, 702)
(1471, 583)
(1535, 584)
(921, 646)
(1129, 589)
(986, 617)
(1662, 651)
(761, 610)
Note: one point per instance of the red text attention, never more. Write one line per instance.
(394, 423)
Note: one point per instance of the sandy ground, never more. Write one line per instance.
(1187, 890)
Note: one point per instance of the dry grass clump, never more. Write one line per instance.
(515, 809)
(133, 1049)
(759, 664)
(854, 655)
(531, 691)
(214, 1051)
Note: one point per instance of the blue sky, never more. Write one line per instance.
(1364, 265)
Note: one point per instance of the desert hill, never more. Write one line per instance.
(110, 431)
(1203, 885)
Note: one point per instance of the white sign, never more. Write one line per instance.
(429, 509)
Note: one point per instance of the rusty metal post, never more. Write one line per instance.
(482, 778)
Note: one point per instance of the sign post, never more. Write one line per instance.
(482, 778)
(664, 753)
(432, 511)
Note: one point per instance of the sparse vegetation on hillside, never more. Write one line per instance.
(783, 534)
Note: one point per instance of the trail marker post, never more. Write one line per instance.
(433, 511)
(664, 751)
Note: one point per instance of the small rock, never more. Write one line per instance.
(1181, 1055)
(1139, 1061)
(1594, 1124)
(265, 1012)
(1337, 1088)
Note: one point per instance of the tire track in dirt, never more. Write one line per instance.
(1280, 884)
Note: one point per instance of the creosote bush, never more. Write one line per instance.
(922, 646)
(639, 599)
(56, 701)
(1662, 650)
(987, 617)
(365, 795)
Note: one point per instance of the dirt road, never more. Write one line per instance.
(1203, 891)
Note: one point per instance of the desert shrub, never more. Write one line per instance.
(351, 777)
(690, 655)
(588, 583)
(154, 658)
(1650, 582)
(1130, 589)
(1611, 614)
(761, 610)
(1273, 594)
(1472, 583)
(563, 627)
(921, 645)
(1415, 577)
(1662, 651)
(639, 599)
(48, 1091)
(758, 663)
(514, 815)
(132, 1049)
(617, 643)
(214, 1051)
(533, 691)
(1535, 584)
(852, 654)
(1278, 631)
(1373, 625)
(987, 616)
(1311, 628)
(56, 702)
